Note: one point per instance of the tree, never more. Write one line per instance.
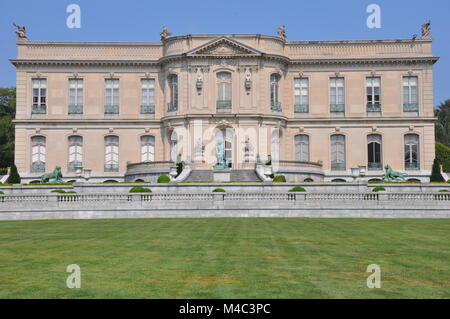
(436, 172)
(7, 114)
(443, 123)
(14, 177)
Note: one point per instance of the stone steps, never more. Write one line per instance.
(242, 175)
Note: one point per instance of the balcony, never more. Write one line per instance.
(275, 106)
(111, 167)
(148, 109)
(223, 106)
(375, 166)
(338, 167)
(373, 107)
(410, 107)
(301, 108)
(111, 109)
(337, 108)
(172, 106)
(412, 166)
(39, 109)
(38, 167)
(75, 109)
(73, 166)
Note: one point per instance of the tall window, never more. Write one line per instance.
(373, 86)
(112, 96)
(75, 96)
(275, 103)
(338, 153)
(38, 154)
(173, 91)
(174, 146)
(275, 145)
(223, 91)
(147, 96)
(412, 151)
(39, 96)
(111, 154)
(75, 152)
(410, 99)
(337, 96)
(301, 94)
(302, 148)
(374, 152)
(147, 148)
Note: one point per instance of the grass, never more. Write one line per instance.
(225, 258)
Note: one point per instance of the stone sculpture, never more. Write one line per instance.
(21, 32)
(53, 177)
(393, 176)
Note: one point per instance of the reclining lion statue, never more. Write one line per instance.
(53, 177)
(393, 176)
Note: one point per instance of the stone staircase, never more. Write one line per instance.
(241, 175)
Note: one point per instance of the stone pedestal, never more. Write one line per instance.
(221, 176)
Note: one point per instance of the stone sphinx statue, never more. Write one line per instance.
(53, 177)
(393, 176)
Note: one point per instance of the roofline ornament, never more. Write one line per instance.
(21, 32)
(165, 33)
(426, 30)
(282, 32)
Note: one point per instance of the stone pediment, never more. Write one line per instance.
(223, 47)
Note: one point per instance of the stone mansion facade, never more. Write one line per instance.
(315, 110)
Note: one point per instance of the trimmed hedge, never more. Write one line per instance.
(443, 191)
(1, 193)
(443, 156)
(378, 189)
(279, 179)
(140, 189)
(163, 179)
(62, 191)
(219, 190)
(297, 189)
(14, 177)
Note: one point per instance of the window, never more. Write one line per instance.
(302, 148)
(275, 145)
(75, 96)
(39, 96)
(337, 96)
(38, 154)
(275, 104)
(301, 94)
(112, 96)
(173, 91)
(75, 153)
(174, 147)
(373, 86)
(111, 154)
(147, 148)
(223, 91)
(338, 153)
(374, 152)
(410, 100)
(147, 96)
(411, 152)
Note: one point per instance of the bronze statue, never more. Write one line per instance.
(21, 32)
(393, 176)
(53, 177)
(426, 30)
(165, 33)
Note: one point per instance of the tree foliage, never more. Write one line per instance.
(443, 124)
(7, 114)
(14, 177)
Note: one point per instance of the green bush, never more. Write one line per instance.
(163, 179)
(443, 191)
(140, 189)
(62, 191)
(71, 192)
(297, 189)
(443, 156)
(218, 190)
(180, 166)
(279, 179)
(14, 177)
(378, 189)
(436, 172)
(1, 193)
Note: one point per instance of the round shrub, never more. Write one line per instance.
(163, 179)
(60, 191)
(279, 179)
(218, 190)
(443, 191)
(140, 189)
(297, 189)
(71, 192)
(378, 189)
(1, 193)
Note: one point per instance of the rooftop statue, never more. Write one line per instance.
(165, 33)
(393, 176)
(21, 32)
(53, 177)
(426, 30)
(282, 32)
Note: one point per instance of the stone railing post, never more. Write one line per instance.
(383, 197)
(218, 200)
(53, 200)
(300, 197)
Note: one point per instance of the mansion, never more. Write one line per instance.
(225, 103)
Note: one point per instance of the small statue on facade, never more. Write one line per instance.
(165, 33)
(248, 80)
(393, 176)
(282, 32)
(21, 32)
(220, 155)
(426, 30)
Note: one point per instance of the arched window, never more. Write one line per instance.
(173, 91)
(38, 154)
(338, 153)
(111, 154)
(275, 104)
(75, 152)
(224, 91)
(174, 146)
(412, 152)
(374, 152)
(147, 148)
(302, 148)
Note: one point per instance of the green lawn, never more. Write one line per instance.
(225, 258)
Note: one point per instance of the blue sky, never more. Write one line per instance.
(142, 20)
